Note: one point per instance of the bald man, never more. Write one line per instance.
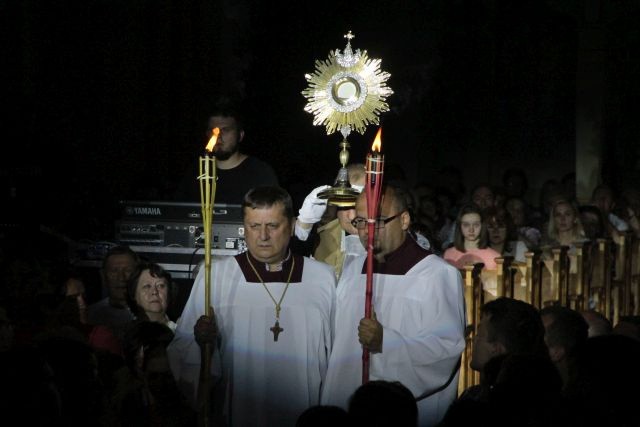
(416, 335)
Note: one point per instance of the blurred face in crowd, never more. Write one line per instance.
(497, 231)
(483, 197)
(603, 199)
(592, 225)
(428, 207)
(75, 287)
(229, 137)
(471, 226)
(152, 293)
(564, 217)
(516, 209)
(267, 233)
(118, 269)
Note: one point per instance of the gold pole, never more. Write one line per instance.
(470, 330)
(207, 195)
(605, 249)
(207, 178)
(478, 297)
(583, 263)
(555, 277)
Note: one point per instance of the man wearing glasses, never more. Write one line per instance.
(416, 333)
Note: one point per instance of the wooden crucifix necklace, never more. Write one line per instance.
(276, 329)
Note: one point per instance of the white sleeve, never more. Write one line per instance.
(302, 233)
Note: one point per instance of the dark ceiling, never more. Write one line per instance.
(106, 100)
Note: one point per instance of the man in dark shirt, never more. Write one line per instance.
(237, 172)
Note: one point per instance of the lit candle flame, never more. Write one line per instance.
(377, 142)
(213, 140)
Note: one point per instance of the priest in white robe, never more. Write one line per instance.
(417, 335)
(273, 315)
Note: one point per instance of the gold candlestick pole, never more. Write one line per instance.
(207, 178)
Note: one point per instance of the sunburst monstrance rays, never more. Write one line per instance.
(347, 91)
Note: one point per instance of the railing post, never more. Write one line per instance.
(533, 278)
(504, 276)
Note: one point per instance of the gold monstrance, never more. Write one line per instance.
(346, 92)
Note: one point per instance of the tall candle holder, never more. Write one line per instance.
(374, 173)
(207, 178)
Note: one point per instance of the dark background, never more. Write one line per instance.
(107, 100)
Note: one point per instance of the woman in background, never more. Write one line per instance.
(471, 241)
(564, 227)
(149, 293)
(503, 235)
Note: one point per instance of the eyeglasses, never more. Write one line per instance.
(361, 223)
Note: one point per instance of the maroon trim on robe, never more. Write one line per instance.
(401, 260)
(270, 276)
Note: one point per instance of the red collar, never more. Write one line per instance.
(401, 260)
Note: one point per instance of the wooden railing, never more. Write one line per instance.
(601, 275)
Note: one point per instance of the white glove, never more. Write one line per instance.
(313, 207)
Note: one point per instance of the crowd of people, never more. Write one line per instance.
(284, 333)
